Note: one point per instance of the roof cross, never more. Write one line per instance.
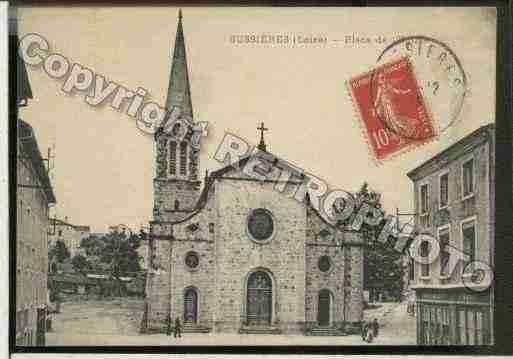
(261, 145)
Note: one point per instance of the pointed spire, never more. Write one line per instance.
(179, 93)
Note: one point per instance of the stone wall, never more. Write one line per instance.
(195, 235)
(168, 275)
(167, 192)
(355, 302)
(228, 255)
(344, 280)
(322, 241)
(171, 189)
(158, 283)
(283, 257)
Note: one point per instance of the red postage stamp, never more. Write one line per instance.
(392, 108)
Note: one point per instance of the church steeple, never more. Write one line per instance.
(179, 93)
(176, 184)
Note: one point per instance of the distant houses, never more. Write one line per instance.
(71, 235)
(92, 276)
(96, 285)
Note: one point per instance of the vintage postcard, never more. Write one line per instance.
(249, 176)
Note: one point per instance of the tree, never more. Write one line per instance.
(121, 252)
(59, 251)
(81, 264)
(113, 254)
(383, 269)
(92, 245)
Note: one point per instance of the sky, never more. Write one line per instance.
(104, 166)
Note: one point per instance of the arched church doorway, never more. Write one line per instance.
(259, 299)
(324, 308)
(191, 306)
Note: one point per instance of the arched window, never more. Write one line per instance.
(259, 299)
(172, 158)
(183, 158)
(177, 204)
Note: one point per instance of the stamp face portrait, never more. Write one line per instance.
(391, 107)
(440, 75)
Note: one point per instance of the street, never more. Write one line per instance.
(116, 322)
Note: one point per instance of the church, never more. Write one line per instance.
(235, 255)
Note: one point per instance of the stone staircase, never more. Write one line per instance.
(259, 330)
(326, 332)
(194, 328)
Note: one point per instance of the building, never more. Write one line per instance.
(71, 235)
(240, 256)
(118, 228)
(34, 195)
(72, 283)
(454, 202)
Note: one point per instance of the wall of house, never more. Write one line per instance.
(31, 251)
(458, 209)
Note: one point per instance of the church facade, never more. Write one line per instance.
(235, 255)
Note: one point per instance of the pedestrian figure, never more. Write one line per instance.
(367, 332)
(365, 328)
(411, 306)
(178, 328)
(369, 337)
(375, 328)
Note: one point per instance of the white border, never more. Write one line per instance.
(4, 180)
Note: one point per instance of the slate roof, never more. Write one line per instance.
(60, 222)
(451, 149)
(71, 278)
(179, 92)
